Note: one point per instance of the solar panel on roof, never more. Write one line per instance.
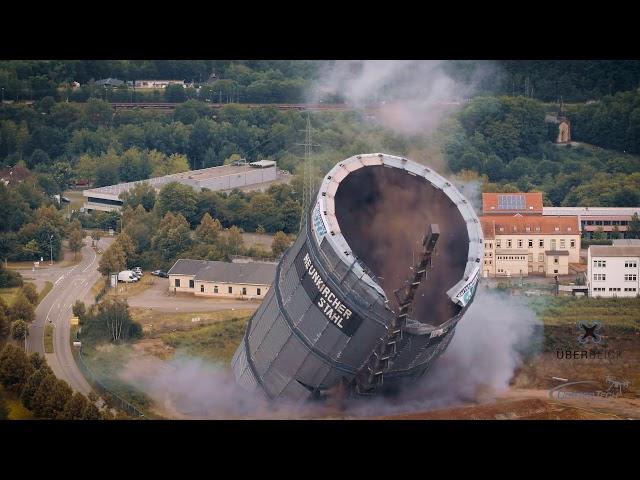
(511, 202)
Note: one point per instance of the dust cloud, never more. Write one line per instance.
(413, 96)
(488, 345)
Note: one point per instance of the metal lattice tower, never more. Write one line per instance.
(308, 182)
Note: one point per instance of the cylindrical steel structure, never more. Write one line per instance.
(332, 300)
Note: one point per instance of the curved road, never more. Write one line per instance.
(73, 284)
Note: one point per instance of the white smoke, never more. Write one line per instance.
(412, 95)
(479, 363)
(487, 347)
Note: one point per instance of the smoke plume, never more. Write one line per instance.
(413, 95)
(488, 345)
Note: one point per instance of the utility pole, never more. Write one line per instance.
(51, 247)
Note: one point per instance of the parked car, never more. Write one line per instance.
(160, 273)
(138, 271)
(127, 276)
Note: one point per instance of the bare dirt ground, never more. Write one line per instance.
(158, 297)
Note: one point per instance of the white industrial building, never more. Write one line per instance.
(251, 176)
(613, 269)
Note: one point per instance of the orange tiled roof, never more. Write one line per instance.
(531, 203)
(517, 225)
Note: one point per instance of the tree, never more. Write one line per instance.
(29, 290)
(175, 94)
(234, 241)
(31, 386)
(91, 412)
(4, 408)
(177, 198)
(79, 310)
(280, 243)
(75, 241)
(172, 237)
(633, 230)
(38, 361)
(209, 229)
(113, 260)
(50, 397)
(75, 408)
(141, 194)
(19, 330)
(22, 309)
(15, 367)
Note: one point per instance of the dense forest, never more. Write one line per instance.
(287, 81)
(506, 142)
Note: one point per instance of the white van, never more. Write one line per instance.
(127, 276)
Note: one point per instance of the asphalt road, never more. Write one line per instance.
(72, 284)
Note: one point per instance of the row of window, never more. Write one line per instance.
(606, 222)
(552, 244)
(510, 257)
(215, 288)
(599, 277)
(613, 289)
(631, 277)
(603, 264)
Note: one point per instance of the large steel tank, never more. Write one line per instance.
(333, 301)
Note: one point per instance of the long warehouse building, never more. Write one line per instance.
(253, 176)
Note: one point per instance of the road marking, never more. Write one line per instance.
(61, 277)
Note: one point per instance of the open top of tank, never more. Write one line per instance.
(376, 208)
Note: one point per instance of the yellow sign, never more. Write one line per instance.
(75, 321)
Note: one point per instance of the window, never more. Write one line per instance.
(519, 243)
(244, 290)
(230, 289)
(258, 291)
(530, 243)
(630, 264)
(190, 283)
(573, 244)
(509, 243)
(553, 244)
(540, 243)
(530, 257)
(631, 277)
(555, 271)
(556, 260)
(562, 244)
(600, 263)
(215, 289)
(491, 245)
(540, 257)
(177, 283)
(202, 288)
(498, 242)
(599, 277)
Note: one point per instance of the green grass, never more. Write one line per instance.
(618, 312)
(48, 338)
(17, 411)
(43, 293)
(9, 294)
(216, 342)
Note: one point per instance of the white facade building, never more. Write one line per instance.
(613, 271)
